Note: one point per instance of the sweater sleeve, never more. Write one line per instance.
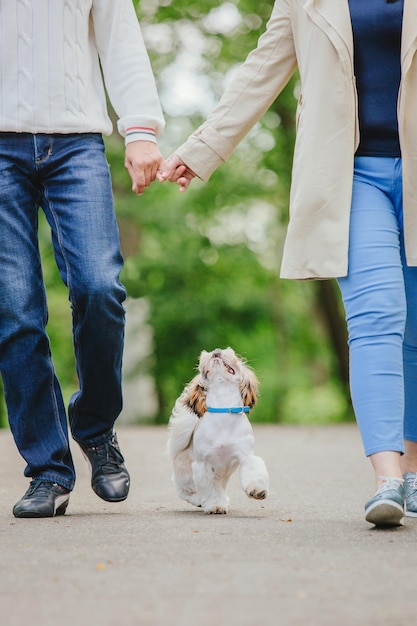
(127, 70)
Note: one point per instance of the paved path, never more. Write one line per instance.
(304, 557)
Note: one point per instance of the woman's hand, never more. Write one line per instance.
(176, 171)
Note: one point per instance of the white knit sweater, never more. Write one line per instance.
(50, 77)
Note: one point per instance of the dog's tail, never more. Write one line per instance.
(182, 424)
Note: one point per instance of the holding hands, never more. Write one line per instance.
(145, 163)
(176, 171)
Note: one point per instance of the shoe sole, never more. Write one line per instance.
(385, 513)
(410, 513)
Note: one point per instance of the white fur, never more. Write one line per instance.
(206, 448)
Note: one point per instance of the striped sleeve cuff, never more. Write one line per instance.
(140, 133)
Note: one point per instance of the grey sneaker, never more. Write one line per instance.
(386, 508)
(410, 484)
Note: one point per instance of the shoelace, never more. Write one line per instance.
(42, 487)
(108, 457)
(389, 483)
(412, 482)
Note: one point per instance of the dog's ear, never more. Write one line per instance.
(195, 396)
(249, 387)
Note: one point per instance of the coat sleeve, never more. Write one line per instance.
(254, 87)
(127, 70)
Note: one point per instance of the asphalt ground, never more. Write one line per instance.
(303, 557)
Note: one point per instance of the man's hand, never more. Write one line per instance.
(176, 171)
(142, 159)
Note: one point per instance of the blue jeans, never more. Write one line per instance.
(380, 299)
(68, 177)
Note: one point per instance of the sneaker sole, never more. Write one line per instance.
(385, 513)
(410, 513)
(61, 505)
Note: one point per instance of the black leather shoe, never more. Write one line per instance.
(110, 479)
(42, 499)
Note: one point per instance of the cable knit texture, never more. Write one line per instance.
(51, 81)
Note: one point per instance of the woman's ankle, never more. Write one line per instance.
(386, 464)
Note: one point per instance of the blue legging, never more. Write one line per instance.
(380, 299)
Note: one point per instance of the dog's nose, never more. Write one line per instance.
(217, 352)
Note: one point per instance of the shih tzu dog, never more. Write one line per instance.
(210, 435)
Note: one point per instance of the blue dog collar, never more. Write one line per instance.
(233, 409)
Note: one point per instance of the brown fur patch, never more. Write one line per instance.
(195, 396)
(249, 387)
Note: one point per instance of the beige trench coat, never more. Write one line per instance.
(316, 36)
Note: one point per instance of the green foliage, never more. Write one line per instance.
(207, 261)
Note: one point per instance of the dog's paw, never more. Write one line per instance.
(219, 510)
(257, 492)
(219, 507)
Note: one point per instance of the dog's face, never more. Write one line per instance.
(223, 364)
(219, 365)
